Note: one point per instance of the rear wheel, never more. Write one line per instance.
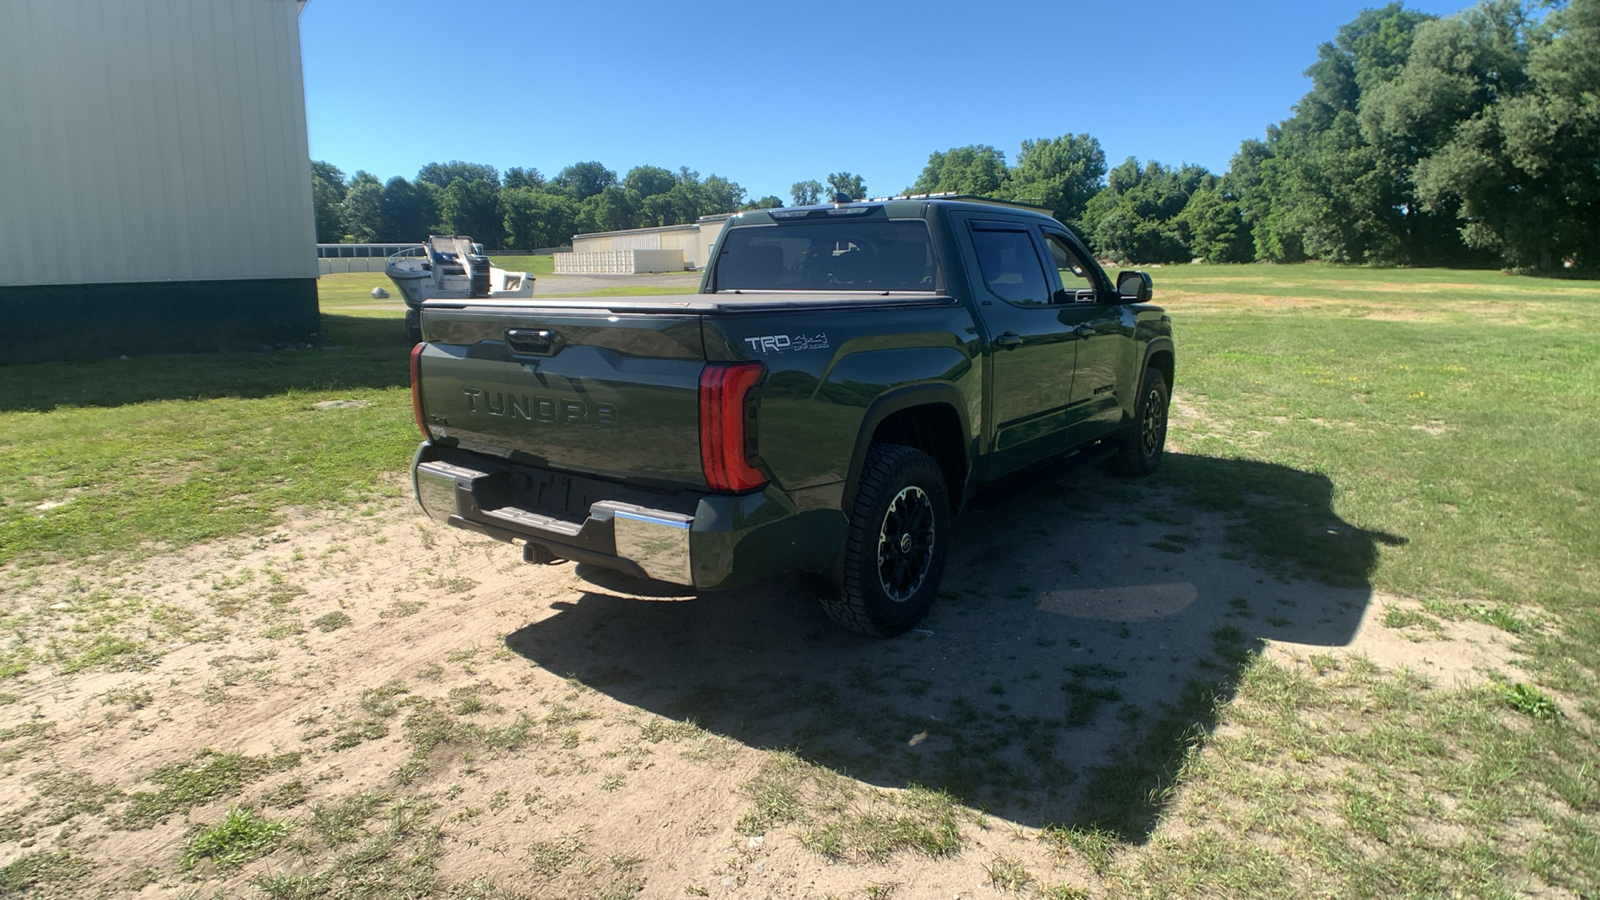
(1144, 439)
(896, 547)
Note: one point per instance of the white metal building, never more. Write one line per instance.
(155, 187)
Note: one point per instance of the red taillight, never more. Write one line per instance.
(727, 426)
(416, 391)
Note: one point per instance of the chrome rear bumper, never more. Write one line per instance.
(654, 542)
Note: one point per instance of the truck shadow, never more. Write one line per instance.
(1085, 639)
(355, 352)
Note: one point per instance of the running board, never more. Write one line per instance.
(1027, 483)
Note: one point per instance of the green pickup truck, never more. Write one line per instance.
(847, 379)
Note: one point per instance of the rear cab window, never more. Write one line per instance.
(877, 255)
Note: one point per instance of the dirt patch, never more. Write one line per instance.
(1447, 654)
(374, 676)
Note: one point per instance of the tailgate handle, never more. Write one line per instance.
(537, 341)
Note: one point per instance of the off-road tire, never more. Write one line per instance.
(895, 550)
(1144, 438)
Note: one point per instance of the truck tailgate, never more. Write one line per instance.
(605, 393)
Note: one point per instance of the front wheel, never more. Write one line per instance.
(896, 547)
(1144, 439)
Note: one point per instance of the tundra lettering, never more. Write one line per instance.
(539, 409)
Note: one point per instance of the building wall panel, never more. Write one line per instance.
(158, 140)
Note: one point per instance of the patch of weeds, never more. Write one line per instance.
(345, 821)
(789, 790)
(1501, 617)
(141, 878)
(457, 584)
(1396, 617)
(243, 835)
(208, 776)
(1006, 873)
(468, 699)
(380, 701)
(549, 858)
(290, 794)
(173, 620)
(426, 730)
(775, 791)
(283, 630)
(1368, 813)
(71, 793)
(613, 782)
(1231, 645)
(332, 621)
(1084, 701)
(499, 800)
(34, 870)
(1278, 622)
(917, 819)
(399, 861)
(1095, 846)
(657, 730)
(1239, 607)
(103, 651)
(1527, 699)
(130, 699)
(352, 734)
(1065, 892)
(561, 714)
(401, 609)
(509, 736)
(15, 662)
(1167, 547)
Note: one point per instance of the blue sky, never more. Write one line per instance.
(767, 94)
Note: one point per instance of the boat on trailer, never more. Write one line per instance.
(449, 267)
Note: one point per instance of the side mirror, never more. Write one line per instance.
(1134, 286)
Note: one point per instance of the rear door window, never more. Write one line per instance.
(1008, 262)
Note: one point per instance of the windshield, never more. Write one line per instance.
(875, 255)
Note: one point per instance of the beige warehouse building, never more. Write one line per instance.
(667, 248)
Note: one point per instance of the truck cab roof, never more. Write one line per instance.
(896, 207)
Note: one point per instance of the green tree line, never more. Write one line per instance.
(1471, 140)
(517, 209)
(1467, 140)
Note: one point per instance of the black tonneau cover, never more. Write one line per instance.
(726, 301)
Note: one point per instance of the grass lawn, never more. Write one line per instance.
(1453, 415)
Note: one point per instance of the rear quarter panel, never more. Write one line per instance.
(825, 368)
